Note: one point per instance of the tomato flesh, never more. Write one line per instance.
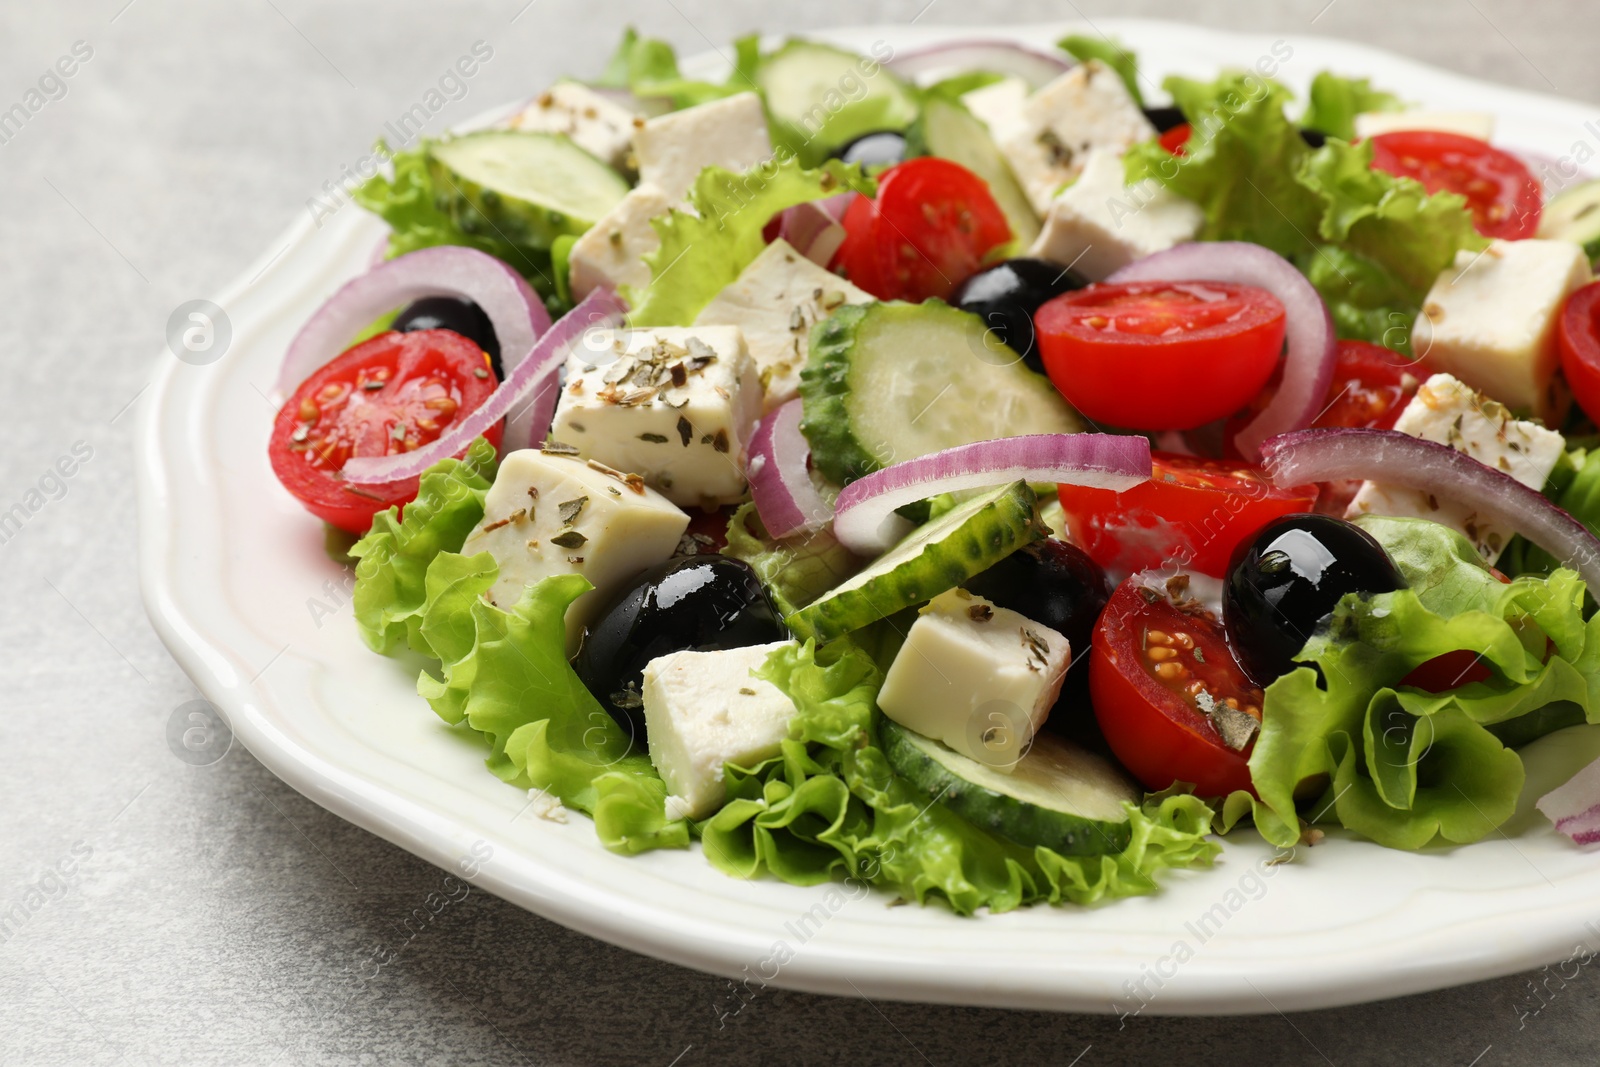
(1153, 670)
(1504, 197)
(393, 393)
(1193, 512)
(1174, 139)
(1161, 355)
(1578, 337)
(934, 223)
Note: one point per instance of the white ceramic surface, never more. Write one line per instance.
(238, 587)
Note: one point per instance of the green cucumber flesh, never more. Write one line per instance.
(889, 382)
(1574, 215)
(951, 132)
(1059, 795)
(809, 96)
(527, 187)
(938, 555)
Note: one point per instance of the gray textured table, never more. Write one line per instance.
(181, 914)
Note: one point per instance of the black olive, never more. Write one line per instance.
(880, 148)
(692, 603)
(460, 316)
(1314, 138)
(1165, 118)
(1287, 579)
(1006, 296)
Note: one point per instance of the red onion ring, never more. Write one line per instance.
(780, 481)
(812, 231)
(1575, 806)
(865, 521)
(1394, 458)
(532, 378)
(514, 309)
(1001, 57)
(1313, 345)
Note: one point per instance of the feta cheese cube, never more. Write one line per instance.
(677, 405)
(1087, 107)
(1490, 320)
(1479, 124)
(978, 677)
(1100, 224)
(612, 251)
(775, 302)
(552, 514)
(673, 149)
(599, 126)
(999, 106)
(703, 710)
(1446, 411)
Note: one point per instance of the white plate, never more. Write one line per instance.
(232, 573)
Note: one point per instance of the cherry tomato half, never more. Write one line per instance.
(393, 393)
(1174, 139)
(1578, 337)
(1161, 355)
(1503, 195)
(1192, 511)
(1153, 671)
(933, 224)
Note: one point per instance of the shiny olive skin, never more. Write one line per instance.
(1165, 118)
(450, 313)
(690, 603)
(880, 148)
(1286, 580)
(1006, 295)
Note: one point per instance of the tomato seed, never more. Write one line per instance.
(1170, 672)
(1160, 654)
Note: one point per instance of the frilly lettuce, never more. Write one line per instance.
(705, 250)
(649, 69)
(1336, 101)
(1107, 50)
(1401, 766)
(829, 806)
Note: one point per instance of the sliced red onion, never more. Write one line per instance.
(1001, 57)
(866, 523)
(812, 231)
(837, 204)
(1313, 345)
(380, 252)
(528, 388)
(780, 481)
(1575, 806)
(1395, 458)
(514, 309)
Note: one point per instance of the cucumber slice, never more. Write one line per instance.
(950, 131)
(885, 383)
(936, 556)
(1574, 215)
(523, 187)
(809, 90)
(1059, 795)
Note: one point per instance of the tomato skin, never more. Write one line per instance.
(356, 415)
(1505, 198)
(1154, 730)
(1192, 511)
(1445, 672)
(934, 224)
(1126, 354)
(1578, 338)
(1174, 139)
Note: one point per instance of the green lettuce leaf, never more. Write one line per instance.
(1335, 102)
(1575, 485)
(830, 806)
(796, 571)
(1107, 50)
(649, 68)
(704, 251)
(1401, 766)
(956, 86)
(393, 558)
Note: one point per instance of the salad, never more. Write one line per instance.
(952, 471)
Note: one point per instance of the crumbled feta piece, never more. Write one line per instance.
(977, 677)
(1100, 224)
(1490, 321)
(550, 514)
(703, 710)
(599, 126)
(999, 106)
(612, 251)
(673, 149)
(678, 405)
(775, 302)
(1087, 107)
(1448, 412)
(1479, 124)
